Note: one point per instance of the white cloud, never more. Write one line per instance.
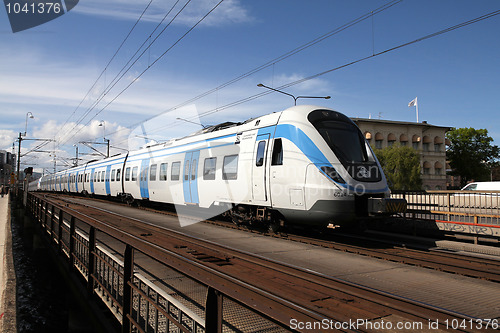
(230, 11)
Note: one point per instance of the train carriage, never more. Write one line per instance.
(306, 164)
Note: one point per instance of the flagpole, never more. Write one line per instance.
(414, 102)
(416, 107)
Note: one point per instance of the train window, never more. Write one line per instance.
(102, 175)
(134, 173)
(277, 153)
(261, 149)
(186, 170)
(127, 174)
(230, 167)
(209, 168)
(163, 171)
(113, 175)
(176, 170)
(193, 170)
(118, 174)
(152, 172)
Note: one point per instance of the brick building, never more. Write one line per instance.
(7, 166)
(428, 140)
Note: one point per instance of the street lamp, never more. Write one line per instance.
(103, 124)
(294, 98)
(76, 156)
(28, 115)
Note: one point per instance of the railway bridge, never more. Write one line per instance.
(150, 275)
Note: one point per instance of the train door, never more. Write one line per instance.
(76, 182)
(190, 181)
(92, 180)
(143, 179)
(259, 167)
(106, 180)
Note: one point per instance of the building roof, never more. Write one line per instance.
(395, 122)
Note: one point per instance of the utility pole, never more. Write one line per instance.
(19, 159)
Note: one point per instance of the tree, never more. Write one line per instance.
(471, 154)
(401, 166)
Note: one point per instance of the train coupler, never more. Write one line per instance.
(386, 206)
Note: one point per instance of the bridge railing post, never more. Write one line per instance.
(72, 232)
(213, 311)
(91, 261)
(128, 275)
(52, 218)
(60, 231)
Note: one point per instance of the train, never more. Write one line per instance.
(305, 165)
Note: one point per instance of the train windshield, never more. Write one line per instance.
(341, 135)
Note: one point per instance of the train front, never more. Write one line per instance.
(344, 181)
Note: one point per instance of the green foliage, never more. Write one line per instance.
(471, 153)
(401, 166)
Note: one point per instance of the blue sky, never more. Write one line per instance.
(48, 70)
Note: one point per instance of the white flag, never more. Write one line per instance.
(413, 103)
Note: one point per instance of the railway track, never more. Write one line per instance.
(391, 250)
(318, 296)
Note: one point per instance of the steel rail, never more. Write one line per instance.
(264, 302)
(394, 302)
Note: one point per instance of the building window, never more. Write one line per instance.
(230, 167)
(437, 147)
(425, 146)
(209, 168)
(378, 144)
(415, 145)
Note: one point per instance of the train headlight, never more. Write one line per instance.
(332, 174)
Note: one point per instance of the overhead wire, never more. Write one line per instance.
(151, 65)
(290, 84)
(115, 79)
(278, 59)
(107, 65)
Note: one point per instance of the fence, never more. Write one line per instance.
(471, 212)
(145, 294)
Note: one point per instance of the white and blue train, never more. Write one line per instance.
(304, 165)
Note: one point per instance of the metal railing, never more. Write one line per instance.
(462, 205)
(143, 301)
(460, 212)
